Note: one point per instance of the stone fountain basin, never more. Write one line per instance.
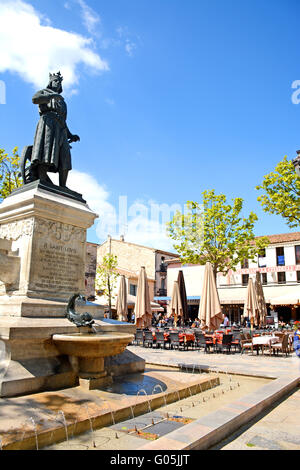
(94, 345)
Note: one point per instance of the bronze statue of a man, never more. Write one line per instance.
(51, 148)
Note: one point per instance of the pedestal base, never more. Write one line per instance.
(31, 363)
(95, 383)
(23, 306)
(46, 231)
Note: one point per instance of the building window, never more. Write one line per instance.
(262, 260)
(298, 276)
(281, 278)
(245, 264)
(264, 279)
(132, 289)
(245, 279)
(280, 256)
(162, 267)
(297, 254)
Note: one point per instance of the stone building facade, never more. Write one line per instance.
(279, 268)
(90, 269)
(131, 257)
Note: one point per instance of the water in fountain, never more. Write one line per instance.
(61, 414)
(32, 421)
(35, 432)
(160, 387)
(85, 406)
(144, 391)
(65, 424)
(130, 406)
(111, 413)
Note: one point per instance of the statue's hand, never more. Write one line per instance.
(75, 138)
(56, 97)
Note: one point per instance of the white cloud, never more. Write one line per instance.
(97, 199)
(145, 222)
(130, 47)
(90, 18)
(32, 48)
(124, 36)
(144, 231)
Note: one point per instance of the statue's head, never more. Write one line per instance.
(55, 82)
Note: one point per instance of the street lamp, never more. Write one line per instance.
(296, 163)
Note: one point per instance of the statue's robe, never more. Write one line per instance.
(51, 145)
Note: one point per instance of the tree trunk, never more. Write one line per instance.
(109, 297)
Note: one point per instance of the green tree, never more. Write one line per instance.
(10, 178)
(282, 193)
(215, 232)
(106, 278)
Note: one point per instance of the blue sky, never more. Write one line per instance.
(169, 97)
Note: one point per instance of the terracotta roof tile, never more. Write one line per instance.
(283, 237)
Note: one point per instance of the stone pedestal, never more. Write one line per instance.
(42, 264)
(47, 231)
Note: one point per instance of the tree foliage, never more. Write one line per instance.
(10, 178)
(215, 232)
(282, 193)
(106, 278)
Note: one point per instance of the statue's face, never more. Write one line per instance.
(56, 86)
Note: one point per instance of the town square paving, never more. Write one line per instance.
(259, 378)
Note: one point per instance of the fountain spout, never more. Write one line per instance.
(80, 320)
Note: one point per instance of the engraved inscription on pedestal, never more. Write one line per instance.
(58, 259)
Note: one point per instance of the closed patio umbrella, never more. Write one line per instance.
(121, 305)
(175, 304)
(182, 290)
(251, 308)
(142, 310)
(260, 299)
(210, 312)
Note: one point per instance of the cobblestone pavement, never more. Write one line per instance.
(276, 429)
(258, 365)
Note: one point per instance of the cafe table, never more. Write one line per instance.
(263, 341)
(183, 336)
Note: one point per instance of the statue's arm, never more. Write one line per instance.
(44, 96)
(72, 137)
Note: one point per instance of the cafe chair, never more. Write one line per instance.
(160, 339)
(139, 337)
(225, 344)
(202, 342)
(236, 340)
(148, 339)
(282, 345)
(174, 341)
(248, 344)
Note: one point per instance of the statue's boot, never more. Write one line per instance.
(63, 176)
(42, 173)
